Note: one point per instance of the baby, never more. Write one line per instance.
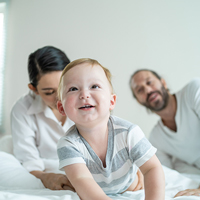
(101, 153)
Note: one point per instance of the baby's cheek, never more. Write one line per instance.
(69, 103)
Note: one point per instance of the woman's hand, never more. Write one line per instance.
(189, 192)
(140, 184)
(54, 181)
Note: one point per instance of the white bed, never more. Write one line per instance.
(17, 184)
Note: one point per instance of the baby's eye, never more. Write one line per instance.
(95, 86)
(73, 89)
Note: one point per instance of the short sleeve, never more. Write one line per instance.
(68, 153)
(140, 149)
(192, 95)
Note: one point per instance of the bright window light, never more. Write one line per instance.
(2, 63)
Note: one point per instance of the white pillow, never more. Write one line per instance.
(6, 144)
(14, 176)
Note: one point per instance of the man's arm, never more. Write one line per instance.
(154, 180)
(83, 182)
(189, 192)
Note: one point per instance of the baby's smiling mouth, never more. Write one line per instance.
(86, 106)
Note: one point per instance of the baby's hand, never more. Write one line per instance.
(140, 184)
(188, 192)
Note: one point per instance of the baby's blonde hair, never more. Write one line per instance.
(78, 62)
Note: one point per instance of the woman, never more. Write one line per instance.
(36, 124)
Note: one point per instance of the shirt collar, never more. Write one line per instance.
(37, 104)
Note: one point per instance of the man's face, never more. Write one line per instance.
(150, 91)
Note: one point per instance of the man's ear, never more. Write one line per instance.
(60, 108)
(31, 87)
(164, 83)
(112, 101)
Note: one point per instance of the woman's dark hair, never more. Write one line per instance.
(45, 60)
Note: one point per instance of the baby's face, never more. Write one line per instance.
(86, 95)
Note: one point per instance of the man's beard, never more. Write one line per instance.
(159, 104)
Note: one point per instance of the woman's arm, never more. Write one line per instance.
(23, 129)
(83, 182)
(24, 139)
(154, 180)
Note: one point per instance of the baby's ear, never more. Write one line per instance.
(60, 108)
(113, 101)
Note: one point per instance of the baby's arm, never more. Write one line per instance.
(154, 180)
(83, 182)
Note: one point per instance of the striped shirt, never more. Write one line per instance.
(127, 150)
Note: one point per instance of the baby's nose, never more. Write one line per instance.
(84, 94)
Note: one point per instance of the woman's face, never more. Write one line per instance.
(47, 88)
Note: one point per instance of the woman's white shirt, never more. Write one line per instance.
(35, 132)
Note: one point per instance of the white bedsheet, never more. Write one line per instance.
(17, 184)
(174, 183)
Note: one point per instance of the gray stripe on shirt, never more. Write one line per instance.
(140, 149)
(68, 152)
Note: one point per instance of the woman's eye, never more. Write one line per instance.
(95, 86)
(49, 93)
(73, 89)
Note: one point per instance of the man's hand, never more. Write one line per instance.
(189, 192)
(54, 181)
(140, 184)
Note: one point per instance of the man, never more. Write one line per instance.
(177, 134)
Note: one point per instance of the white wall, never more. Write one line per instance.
(123, 35)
